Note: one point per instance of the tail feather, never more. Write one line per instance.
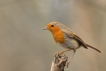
(93, 48)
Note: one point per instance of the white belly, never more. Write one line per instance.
(70, 43)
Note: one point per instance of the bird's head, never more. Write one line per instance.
(53, 27)
(56, 29)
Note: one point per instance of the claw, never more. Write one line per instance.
(60, 53)
(67, 64)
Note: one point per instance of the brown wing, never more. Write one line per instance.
(80, 41)
(74, 36)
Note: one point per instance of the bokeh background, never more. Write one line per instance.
(24, 46)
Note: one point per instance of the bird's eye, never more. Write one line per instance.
(52, 25)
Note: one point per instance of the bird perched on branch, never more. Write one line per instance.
(66, 38)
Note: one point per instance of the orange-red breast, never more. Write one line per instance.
(66, 38)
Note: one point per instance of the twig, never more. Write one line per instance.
(59, 62)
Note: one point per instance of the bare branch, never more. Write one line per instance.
(59, 62)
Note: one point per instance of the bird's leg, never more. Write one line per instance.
(65, 51)
(71, 58)
(62, 52)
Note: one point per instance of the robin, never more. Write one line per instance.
(66, 38)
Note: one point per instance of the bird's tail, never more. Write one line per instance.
(93, 48)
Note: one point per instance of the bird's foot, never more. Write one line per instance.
(60, 53)
(67, 64)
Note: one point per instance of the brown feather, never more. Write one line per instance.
(80, 41)
(93, 48)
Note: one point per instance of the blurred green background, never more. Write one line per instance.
(24, 46)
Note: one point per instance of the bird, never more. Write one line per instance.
(66, 38)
